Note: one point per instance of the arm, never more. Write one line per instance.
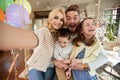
(93, 53)
(87, 61)
(57, 55)
(99, 61)
(90, 55)
(60, 64)
(15, 38)
(68, 73)
(58, 61)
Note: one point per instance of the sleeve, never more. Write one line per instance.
(94, 54)
(100, 60)
(40, 35)
(72, 55)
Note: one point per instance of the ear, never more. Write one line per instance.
(49, 20)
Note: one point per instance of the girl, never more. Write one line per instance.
(86, 49)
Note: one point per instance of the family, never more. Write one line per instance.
(65, 46)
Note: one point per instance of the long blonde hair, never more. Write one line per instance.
(51, 16)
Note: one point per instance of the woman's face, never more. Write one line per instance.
(57, 21)
(88, 28)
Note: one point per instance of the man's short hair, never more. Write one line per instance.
(73, 8)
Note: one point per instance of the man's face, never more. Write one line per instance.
(72, 20)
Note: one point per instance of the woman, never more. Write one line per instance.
(40, 60)
(43, 41)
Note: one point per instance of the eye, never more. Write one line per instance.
(56, 17)
(65, 42)
(62, 19)
(76, 17)
(68, 18)
(59, 42)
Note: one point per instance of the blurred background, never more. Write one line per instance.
(32, 14)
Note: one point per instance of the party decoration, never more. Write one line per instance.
(2, 16)
(24, 3)
(10, 23)
(4, 4)
(17, 15)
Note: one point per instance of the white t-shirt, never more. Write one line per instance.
(62, 53)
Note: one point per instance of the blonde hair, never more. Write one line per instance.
(51, 16)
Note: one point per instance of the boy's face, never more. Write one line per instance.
(63, 41)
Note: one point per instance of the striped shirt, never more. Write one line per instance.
(43, 53)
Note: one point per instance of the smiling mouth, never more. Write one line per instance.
(91, 30)
(72, 25)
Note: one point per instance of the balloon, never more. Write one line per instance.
(4, 4)
(2, 16)
(24, 3)
(8, 22)
(17, 15)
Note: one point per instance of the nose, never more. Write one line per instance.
(92, 27)
(62, 45)
(71, 21)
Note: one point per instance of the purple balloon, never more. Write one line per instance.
(17, 15)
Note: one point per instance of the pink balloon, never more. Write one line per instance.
(17, 15)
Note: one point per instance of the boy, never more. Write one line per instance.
(62, 51)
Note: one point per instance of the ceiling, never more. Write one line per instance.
(46, 5)
(41, 8)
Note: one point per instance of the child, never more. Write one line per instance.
(62, 51)
(86, 49)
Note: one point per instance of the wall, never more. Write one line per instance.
(92, 7)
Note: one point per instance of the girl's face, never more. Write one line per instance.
(57, 21)
(88, 28)
(63, 41)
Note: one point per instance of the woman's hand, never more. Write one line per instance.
(78, 67)
(60, 64)
(67, 61)
(74, 62)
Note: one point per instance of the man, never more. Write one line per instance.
(73, 20)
